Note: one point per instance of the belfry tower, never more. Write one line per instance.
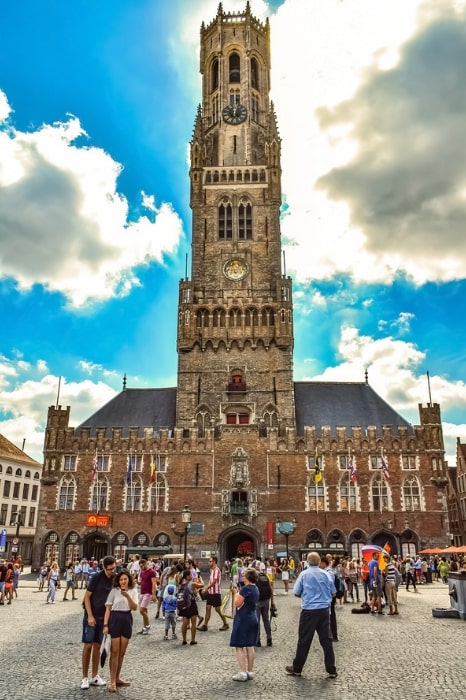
(235, 315)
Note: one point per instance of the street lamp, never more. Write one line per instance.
(176, 533)
(18, 522)
(287, 529)
(186, 518)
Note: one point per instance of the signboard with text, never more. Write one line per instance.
(95, 520)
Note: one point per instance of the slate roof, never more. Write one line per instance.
(9, 451)
(342, 404)
(132, 408)
(316, 403)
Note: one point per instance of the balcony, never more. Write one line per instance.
(236, 387)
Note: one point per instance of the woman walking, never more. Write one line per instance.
(54, 582)
(245, 625)
(118, 623)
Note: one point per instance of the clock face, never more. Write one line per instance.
(235, 269)
(235, 113)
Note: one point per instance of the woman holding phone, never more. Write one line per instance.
(118, 623)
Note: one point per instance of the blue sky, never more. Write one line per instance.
(97, 106)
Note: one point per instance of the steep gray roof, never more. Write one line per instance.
(142, 408)
(342, 404)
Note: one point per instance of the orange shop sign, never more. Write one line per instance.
(94, 520)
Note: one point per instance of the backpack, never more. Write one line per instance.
(340, 586)
(184, 598)
(263, 584)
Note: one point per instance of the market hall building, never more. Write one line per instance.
(253, 461)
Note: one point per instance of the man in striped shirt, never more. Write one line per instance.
(214, 595)
(390, 586)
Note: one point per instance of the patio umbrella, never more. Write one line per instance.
(432, 550)
(451, 550)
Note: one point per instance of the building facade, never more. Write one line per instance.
(263, 462)
(20, 484)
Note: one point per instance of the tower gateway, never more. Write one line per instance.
(239, 459)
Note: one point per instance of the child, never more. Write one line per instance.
(169, 610)
(70, 582)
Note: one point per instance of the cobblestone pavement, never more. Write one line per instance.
(413, 654)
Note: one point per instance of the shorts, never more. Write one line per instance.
(214, 599)
(120, 624)
(377, 591)
(2, 585)
(145, 600)
(70, 584)
(92, 635)
(189, 612)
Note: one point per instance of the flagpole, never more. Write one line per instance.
(97, 486)
(349, 479)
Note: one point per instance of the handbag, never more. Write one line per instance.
(104, 649)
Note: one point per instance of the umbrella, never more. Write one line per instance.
(433, 550)
(451, 550)
(367, 550)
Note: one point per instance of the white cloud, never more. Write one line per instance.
(373, 158)
(58, 194)
(5, 109)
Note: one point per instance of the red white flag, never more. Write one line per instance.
(385, 471)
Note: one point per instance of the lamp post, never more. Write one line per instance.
(186, 518)
(287, 529)
(176, 533)
(18, 522)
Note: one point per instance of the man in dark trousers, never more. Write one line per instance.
(326, 565)
(96, 594)
(316, 589)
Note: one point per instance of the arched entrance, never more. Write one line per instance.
(96, 546)
(386, 538)
(238, 541)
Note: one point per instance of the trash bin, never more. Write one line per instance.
(457, 591)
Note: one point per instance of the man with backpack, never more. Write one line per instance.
(263, 605)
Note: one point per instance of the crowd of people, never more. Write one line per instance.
(176, 591)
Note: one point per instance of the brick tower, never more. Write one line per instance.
(235, 316)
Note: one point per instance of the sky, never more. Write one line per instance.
(97, 106)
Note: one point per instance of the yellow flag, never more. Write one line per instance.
(317, 472)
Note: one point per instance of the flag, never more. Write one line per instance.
(385, 469)
(94, 468)
(129, 470)
(317, 472)
(353, 475)
(152, 473)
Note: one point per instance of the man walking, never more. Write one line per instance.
(147, 593)
(263, 605)
(214, 596)
(95, 596)
(316, 589)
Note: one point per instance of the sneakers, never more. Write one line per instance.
(250, 675)
(174, 636)
(332, 675)
(224, 627)
(97, 680)
(241, 676)
(145, 630)
(85, 684)
(291, 672)
(165, 639)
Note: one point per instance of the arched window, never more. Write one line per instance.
(225, 221)
(271, 418)
(234, 68)
(218, 320)
(28, 474)
(214, 75)
(66, 493)
(316, 495)
(72, 548)
(234, 320)
(159, 494)
(379, 493)
(18, 472)
(411, 494)
(245, 221)
(99, 494)
(202, 422)
(254, 74)
(133, 500)
(348, 494)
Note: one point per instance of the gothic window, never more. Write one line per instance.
(251, 317)
(408, 462)
(66, 493)
(214, 75)
(202, 422)
(159, 494)
(411, 494)
(103, 463)
(267, 317)
(69, 463)
(255, 109)
(316, 496)
(219, 318)
(225, 221)
(271, 419)
(348, 494)
(254, 74)
(245, 221)
(133, 499)
(379, 493)
(18, 472)
(234, 68)
(99, 494)
(202, 318)
(234, 318)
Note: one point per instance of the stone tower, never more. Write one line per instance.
(235, 314)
